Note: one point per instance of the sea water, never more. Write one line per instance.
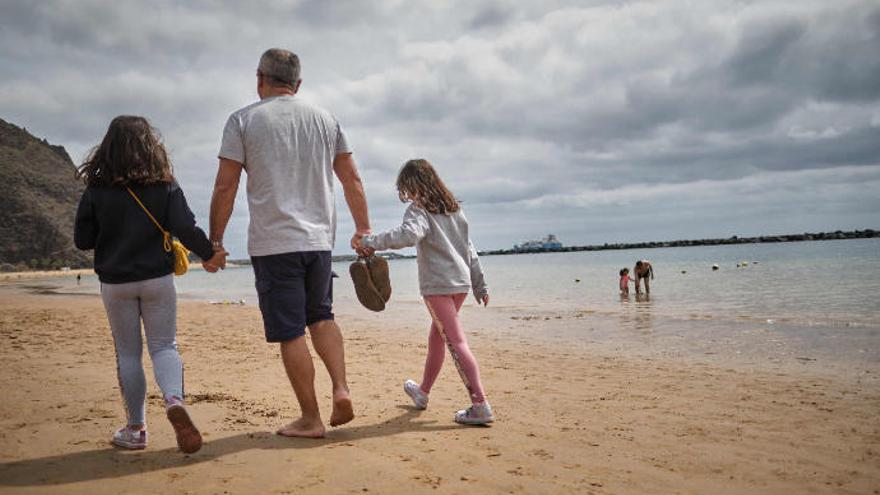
(804, 296)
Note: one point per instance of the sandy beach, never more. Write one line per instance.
(55, 274)
(570, 419)
(43, 274)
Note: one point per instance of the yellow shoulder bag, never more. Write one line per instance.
(181, 253)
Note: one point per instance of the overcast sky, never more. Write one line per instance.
(598, 121)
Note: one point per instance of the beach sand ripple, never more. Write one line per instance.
(569, 419)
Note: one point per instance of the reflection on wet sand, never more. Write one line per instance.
(637, 313)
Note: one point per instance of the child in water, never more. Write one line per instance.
(136, 269)
(624, 281)
(448, 269)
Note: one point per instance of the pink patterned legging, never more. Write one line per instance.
(446, 329)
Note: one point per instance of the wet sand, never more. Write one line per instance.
(44, 274)
(571, 418)
(36, 275)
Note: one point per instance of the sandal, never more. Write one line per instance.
(366, 291)
(378, 267)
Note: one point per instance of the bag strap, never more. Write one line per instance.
(166, 236)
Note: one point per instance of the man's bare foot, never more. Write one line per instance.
(343, 412)
(302, 428)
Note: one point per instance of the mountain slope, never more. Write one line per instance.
(38, 198)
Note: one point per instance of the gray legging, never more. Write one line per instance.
(154, 301)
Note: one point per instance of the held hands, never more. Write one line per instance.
(484, 300)
(217, 262)
(358, 246)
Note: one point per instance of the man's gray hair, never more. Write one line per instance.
(279, 67)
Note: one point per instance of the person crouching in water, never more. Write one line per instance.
(642, 271)
(136, 269)
(448, 268)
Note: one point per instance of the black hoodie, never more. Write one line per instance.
(128, 246)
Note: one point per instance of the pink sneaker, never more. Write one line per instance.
(127, 438)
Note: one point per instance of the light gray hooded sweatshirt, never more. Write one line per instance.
(447, 259)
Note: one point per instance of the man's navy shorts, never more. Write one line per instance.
(295, 290)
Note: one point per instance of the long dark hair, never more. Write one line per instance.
(130, 153)
(418, 182)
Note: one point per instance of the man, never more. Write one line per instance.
(290, 150)
(643, 270)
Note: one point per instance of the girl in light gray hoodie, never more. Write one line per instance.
(448, 269)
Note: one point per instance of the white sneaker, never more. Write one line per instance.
(477, 414)
(127, 438)
(414, 391)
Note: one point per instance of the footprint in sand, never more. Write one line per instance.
(432, 481)
(542, 454)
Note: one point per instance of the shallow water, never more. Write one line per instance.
(797, 299)
(829, 283)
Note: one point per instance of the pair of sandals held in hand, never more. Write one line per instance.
(372, 283)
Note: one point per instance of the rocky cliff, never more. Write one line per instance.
(38, 198)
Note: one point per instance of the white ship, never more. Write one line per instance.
(549, 242)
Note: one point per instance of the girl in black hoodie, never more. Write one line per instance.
(136, 270)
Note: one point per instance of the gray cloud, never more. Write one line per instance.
(491, 16)
(600, 120)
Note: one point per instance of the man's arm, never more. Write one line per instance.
(223, 199)
(347, 172)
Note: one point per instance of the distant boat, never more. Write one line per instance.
(549, 242)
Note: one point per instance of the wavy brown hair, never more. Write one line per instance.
(130, 153)
(418, 182)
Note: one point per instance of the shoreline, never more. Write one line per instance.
(838, 235)
(571, 419)
(43, 274)
(391, 255)
(637, 332)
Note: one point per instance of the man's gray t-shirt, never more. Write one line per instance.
(287, 147)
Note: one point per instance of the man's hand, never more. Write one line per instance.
(217, 262)
(356, 244)
(484, 300)
(356, 239)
